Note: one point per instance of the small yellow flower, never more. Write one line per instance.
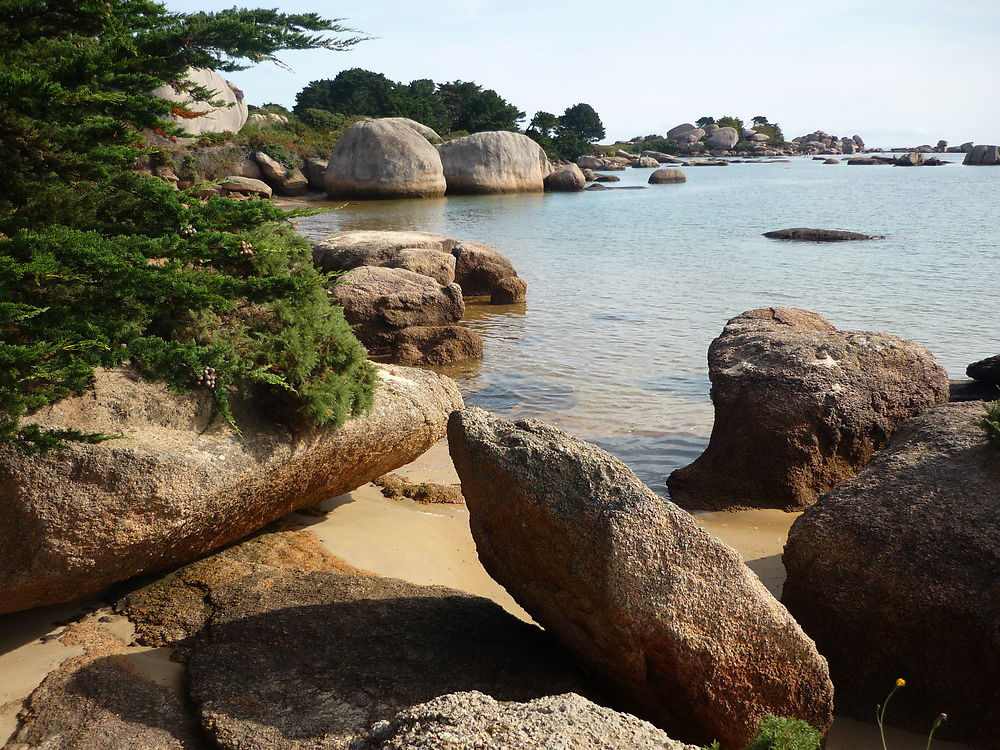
(900, 682)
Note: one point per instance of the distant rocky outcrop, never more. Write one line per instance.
(494, 162)
(667, 616)
(385, 158)
(179, 486)
(228, 118)
(805, 234)
(474, 720)
(800, 407)
(380, 302)
(895, 574)
(982, 156)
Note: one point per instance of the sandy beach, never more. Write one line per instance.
(420, 543)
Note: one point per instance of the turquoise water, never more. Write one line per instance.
(628, 288)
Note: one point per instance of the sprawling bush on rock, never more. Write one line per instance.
(99, 264)
(799, 407)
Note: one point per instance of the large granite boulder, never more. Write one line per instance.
(671, 620)
(342, 251)
(436, 345)
(667, 176)
(417, 127)
(895, 573)
(982, 155)
(76, 520)
(293, 661)
(379, 302)
(566, 179)
(589, 162)
(439, 266)
(229, 118)
(723, 139)
(910, 159)
(685, 127)
(315, 172)
(800, 407)
(283, 180)
(987, 370)
(645, 162)
(246, 186)
(494, 162)
(384, 159)
(479, 268)
(474, 720)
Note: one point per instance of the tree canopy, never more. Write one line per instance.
(100, 263)
(352, 92)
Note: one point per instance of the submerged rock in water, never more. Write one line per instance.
(667, 616)
(474, 720)
(74, 521)
(800, 407)
(804, 234)
(292, 661)
(895, 574)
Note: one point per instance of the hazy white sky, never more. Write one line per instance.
(896, 72)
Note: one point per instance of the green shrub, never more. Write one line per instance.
(991, 422)
(777, 733)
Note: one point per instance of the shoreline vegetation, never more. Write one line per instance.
(194, 439)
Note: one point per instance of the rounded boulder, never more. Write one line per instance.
(494, 162)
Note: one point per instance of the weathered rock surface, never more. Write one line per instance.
(895, 574)
(306, 661)
(228, 118)
(396, 487)
(589, 162)
(384, 159)
(436, 345)
(103, 700)
(723, 139)
(176, 607)
(474, 720)
(982, 155)
(511, 290)
(342, 251)
(315, 171)
(283, 180)
(434, 263)
(607, 178)
(494, 162)
(685, 127)
(417, 127)
(987, 369)
(646, 162)
(566, 179)
(667, 616)
(478, 268)
(911, 159)
(379, 302)
(248, 185)
(77, 520)
(800, 407)
(804, 234)
(667, 176)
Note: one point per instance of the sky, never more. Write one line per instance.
(895, 72)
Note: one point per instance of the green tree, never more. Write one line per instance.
(703, 121)
(420, 100)
(474, 109)
(544, 123)
(731, 122)
(100, 263)
(759, 120)
(583, 121)
(351, 92)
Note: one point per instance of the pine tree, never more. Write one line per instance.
(100, 264)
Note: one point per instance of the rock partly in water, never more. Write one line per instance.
(667, 616)
(511, 290)
(379, 302)
(558, 722)
(478, 268)
(667, 176)
(982, 155)
(895, 574)
(566, 179)
(800, 407)
(77, 520)
(911, 159)
(315, 171)
(987, 370)
(384, 159)
(494, 162)
(291, 661)
(434, 263)
(607, 178)
(343, 251)
(436, 345)
(804, 234)
(396, 487)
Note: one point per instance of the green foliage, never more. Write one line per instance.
(582, 120)
(321, 119)
(991, 422)
(777, 733)
(352, 92)
(474, 109)
(731, 122)
(703, 121)
(419, 100)
(773, 132)
(99, 263)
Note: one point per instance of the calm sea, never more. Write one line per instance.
(628, 288)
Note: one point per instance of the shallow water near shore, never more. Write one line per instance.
(628, 288)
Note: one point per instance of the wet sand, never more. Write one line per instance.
(423, 544)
